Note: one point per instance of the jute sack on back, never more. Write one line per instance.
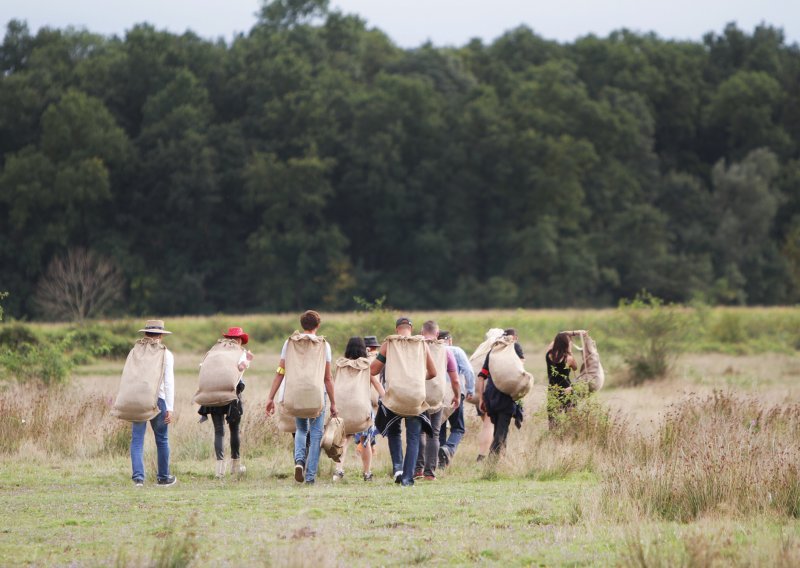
(592, 372)
(507, 371)
(434, 388)
(219, 374)
(286, 423)
(353, 397)
(137, 398)
(479, 356)
(305, 376)
(405, 375)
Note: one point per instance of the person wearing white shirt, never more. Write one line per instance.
(154, 329)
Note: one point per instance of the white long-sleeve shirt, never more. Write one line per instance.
(167, 388)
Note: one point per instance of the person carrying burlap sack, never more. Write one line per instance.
(429, 444)
(466, 378)
(559, 360)
(230, 408)
(148, 375)
(306, 458)
(407, 373)
(498, 406)
(356, 350)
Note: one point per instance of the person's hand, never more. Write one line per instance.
(454, 403)
(334, 413)
(242, 366)
(470, 398)
(249, 356)
(167, 417)
(270, 409)
(483, 406)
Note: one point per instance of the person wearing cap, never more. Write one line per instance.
(231, 412)
(500, 407)
(466, 377)
(154, 329)
(429, 444)
(388, 423)
(366, 442)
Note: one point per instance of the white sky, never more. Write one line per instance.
(411, 22)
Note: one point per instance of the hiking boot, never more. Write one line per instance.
(338, 475)
(220, 471)
(368, 476)
(444, 457)
(299, 471)
(398, 476)
(167, 481)
(430, 477)
(418, 474)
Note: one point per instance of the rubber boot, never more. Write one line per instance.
(220, 469)
(237, 468)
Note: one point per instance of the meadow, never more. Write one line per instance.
(697, 468)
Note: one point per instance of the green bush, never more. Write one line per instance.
(46, 362)
(16, 334)
(652, 336)
(86, 343)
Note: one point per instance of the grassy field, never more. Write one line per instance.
(696, 469)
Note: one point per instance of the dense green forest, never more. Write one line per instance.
(312, 160)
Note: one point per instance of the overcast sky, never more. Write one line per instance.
(412, 22)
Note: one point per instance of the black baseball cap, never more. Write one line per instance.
(444, 334)
(403, 321)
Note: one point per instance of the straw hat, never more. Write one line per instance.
(155, 326)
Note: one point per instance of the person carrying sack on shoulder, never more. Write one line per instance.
(560, 362)
(165, 392)
(466, 378)
(388, 422)
(231, 412)
(306, 459)
(500, 407)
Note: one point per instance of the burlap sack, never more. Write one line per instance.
(305, 376)
(507, 371)
(352, 389)
(435, 388)
(286, 423)
(219, 374)
(405, 375)
(479, 356)
(334, 439)
(592, 372)
(137, 398)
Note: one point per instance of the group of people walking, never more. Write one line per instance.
(432, 435)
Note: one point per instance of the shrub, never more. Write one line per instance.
(14, 335)
(652, 335)
(45, 362)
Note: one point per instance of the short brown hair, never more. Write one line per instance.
(310, 320)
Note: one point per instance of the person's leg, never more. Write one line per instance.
(366, 455)
(137, 449)
(219, 435)
(502, 421)
(315, 431)
(413, 429)
(457, 429)
(443, 432)
(432, 444)
(338, 473)
(420, 464)
(235, 440)
(161, 433)
(395, 436)
(485, 436)
(300, 435)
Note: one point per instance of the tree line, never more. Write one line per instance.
(311, 161)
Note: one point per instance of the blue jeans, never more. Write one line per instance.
(138, 430)
(312, 427)
(457, 429)
(413, 429)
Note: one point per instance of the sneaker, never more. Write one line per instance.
(299, 472)
(338, 475)
(408, 483)
(138, 483)
(368, 476)
(309, 482)
(444, 457)
(430, 477)
(418, 474)
(167, 481)
(398, 476)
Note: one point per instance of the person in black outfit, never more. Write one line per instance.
(559, 362)
(500, 407)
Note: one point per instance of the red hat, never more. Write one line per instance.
(234, 332)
